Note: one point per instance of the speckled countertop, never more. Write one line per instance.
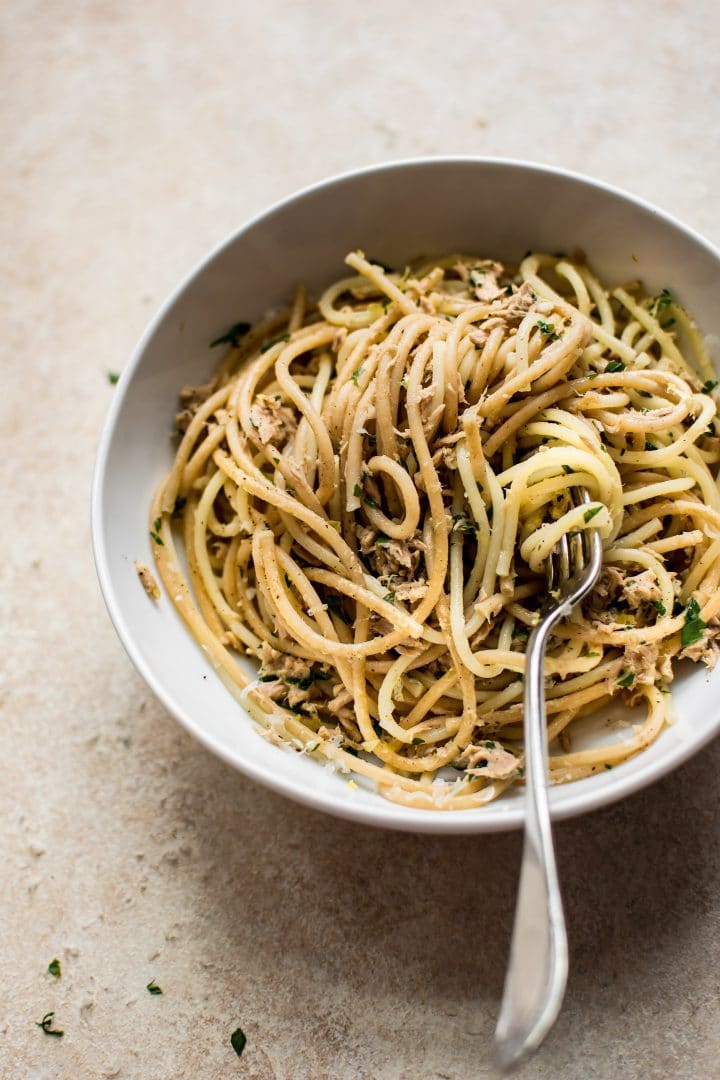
(135, 136)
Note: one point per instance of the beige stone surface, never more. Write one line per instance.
(135, 135)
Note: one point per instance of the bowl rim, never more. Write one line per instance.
(383, 813)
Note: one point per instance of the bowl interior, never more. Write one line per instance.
(393, 213)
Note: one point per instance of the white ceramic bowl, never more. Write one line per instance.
(394, 212)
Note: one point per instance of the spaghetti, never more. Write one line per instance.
(368, 491)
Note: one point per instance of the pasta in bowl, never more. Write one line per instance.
(365, 495)
(376, 567)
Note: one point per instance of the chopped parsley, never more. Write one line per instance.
(650, 445)
(626, 680)
(692, 631)
(356, 374)
(614, 365)
(661, 302)
(371, 502)
(709, 386)
(567, 469)
(275, 341)
(238, 1040)
(463, 524)
(382, 540)
(548, 328)
(153, 988)
(232, 336)
(47, 1025)
(607, 766)
(357, 491)
(508, 290)
(667, 323)
(112, 377)
(179, 506)
(155, 531)
(314, 675)
(417, 741)
(590, 514)
(659, 607)
(390, 597)
(54, 968)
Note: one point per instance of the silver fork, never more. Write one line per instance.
(537, 969)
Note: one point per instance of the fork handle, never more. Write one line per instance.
(537, 970)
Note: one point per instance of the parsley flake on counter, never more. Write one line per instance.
(238, 1040)
(54, 968)
(112, 377)
(232, 336)
(47, 1025)
(153, 988)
